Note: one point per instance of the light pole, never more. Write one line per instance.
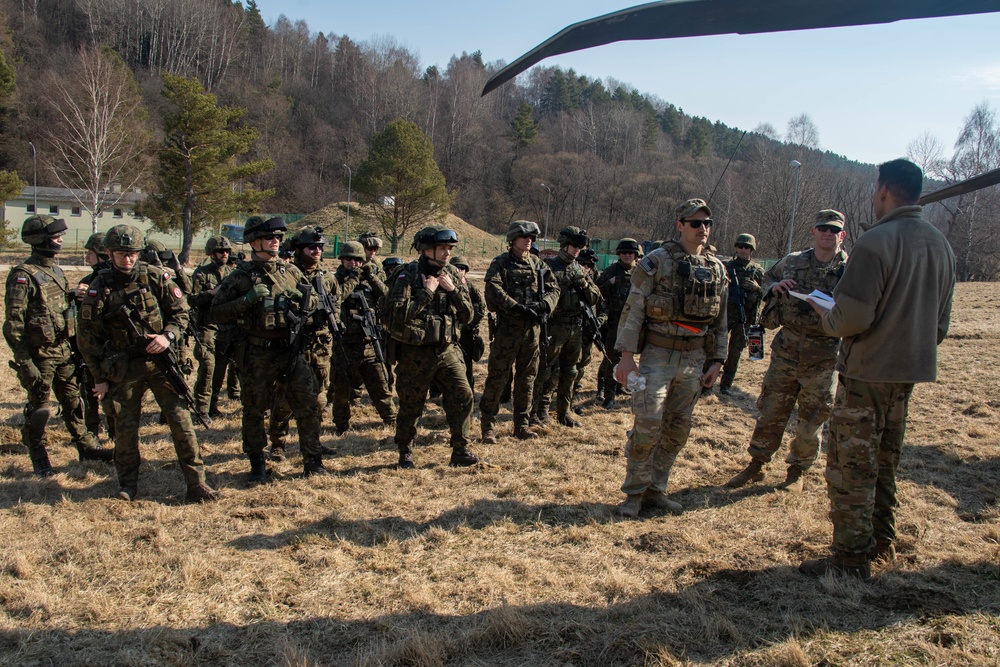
(548, 199)
(795, 164)
(347, 225)
(34, 169)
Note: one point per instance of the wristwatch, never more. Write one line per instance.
(170, 336)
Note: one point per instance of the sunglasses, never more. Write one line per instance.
(829, 229)
(221, 251)
(696, 224)
(313, 246)
(271, 237)
(744, 246)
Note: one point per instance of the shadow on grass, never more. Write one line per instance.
(973, 483)
(722, 614)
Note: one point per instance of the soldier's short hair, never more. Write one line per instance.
(903, 179)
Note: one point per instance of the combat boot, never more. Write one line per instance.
(405, 457)
(609, 401)
(489, 435)
(567, 420)
(126, 493)
(752, 473)
(794, 481)
(42, 467)
(313, 465)
(89, 453)
(343, 428)
(277, 452)
(213, 409)
(630, 508)
(462, 457)
(524, 433)
(725, 389)
(541, 417)
(258, 468)
(848, 565)
(201, 493)
(884, 551)
(653, 498)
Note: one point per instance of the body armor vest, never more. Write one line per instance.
(569, 308)
(617, 293)
(437, 325)
(690, 293)
(787, 311)
(52, 317)
(520, 280)
(268, 314)
(137, 295)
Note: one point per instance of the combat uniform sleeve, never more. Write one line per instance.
(460, 299)
(589, 293)
(90, 332)
(552, 289)
(857, 295)
(230, 301)
(497, 299)
(201, 287)
(20, 290)
(174, 306)
(773, 275)
(633, 317)
(717, 338)
(478, 306)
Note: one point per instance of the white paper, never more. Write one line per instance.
(824, 301)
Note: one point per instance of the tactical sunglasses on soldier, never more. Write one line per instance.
(829, 229)
(221, 251)
(743, 246)
(445, 237)
(271, 237)
(696, 224)
(312, 246)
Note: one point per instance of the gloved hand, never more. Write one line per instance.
(521, 310)
(257, 293)
(749, 285)
(366, 271)
(293, 294)
(31, 373)
(539, 309)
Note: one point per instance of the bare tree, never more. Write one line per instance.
(98, 138)
(927, 152)
(976, 150)
(802, 131)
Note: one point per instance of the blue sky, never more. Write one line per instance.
(870, 90)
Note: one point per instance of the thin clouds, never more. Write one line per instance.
(986, 76)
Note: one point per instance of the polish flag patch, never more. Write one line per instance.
(166, 276)
(92, 292)
(21, 280)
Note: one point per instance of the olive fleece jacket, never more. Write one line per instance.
(893, 303)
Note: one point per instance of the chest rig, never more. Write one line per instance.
(268, 313)
(690, 293)
(520, 279)
(435, 325)
(137, 295)
(618, 292)
(568, 308)
(809, 275)
(52, 316)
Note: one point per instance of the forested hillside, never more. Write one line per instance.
(598, 154)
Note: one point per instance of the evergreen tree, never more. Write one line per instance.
(11, 185)
(401, 181)
(523, 128)
(200, 182)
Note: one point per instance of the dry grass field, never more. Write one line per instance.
(519, 561)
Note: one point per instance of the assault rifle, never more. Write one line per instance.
(299, 318)
(740, 296)
(543, 339)
(328, 308)
(166, 361)
(370, 328)
(591, 322)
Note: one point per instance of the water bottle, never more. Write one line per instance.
(635, 382)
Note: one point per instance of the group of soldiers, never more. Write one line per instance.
(294, 336)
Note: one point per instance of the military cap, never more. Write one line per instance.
(746, 239)
(434, 235)
(522, 229)
(40, 228)
(573, 236)
(628, 245)
(690, 207)
(124, 237)
(829, 217)
(352, 250)
(460, 262)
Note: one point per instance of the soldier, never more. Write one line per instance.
(521, 291)
(157, 254)
(746, 278)
(121, 356)
(212, 364)
(615, 283)
(565, 346)
(893, 308)
(97, 258)
(372, 244)
(40, 323)
(588, 260)
(389, 265)
(361, 290)
(471, 341)
(307, 255)
(426, 308)
(674, 318)
(262, 296)
(803, 356)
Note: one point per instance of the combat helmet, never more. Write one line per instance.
(38, 229)
(217, 243)
(628, 245)
(391, 262)
(522, 228)
(435, 235)
(573, 236)
(460, 262)
(370, 240)
(308, 236)
(352, 250)
(257, 226)
(124, 237)
(746, 239)
(96, 243)
(588, 257)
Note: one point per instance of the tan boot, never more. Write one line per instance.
(630, 508)
(524, 433)
(489, 436)
(752, 473)
(793, 481)
(651, 498)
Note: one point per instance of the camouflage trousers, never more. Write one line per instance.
(562, 359)
(91, 406)
(125, 403)
(364, 369)
(416, 368)
(207, 354)
(59, 378)
(808, 381)
(866, 439)
(318, 361)
(513, 349)
(737, 343)
(606, 373)
(260, 369)
(662, 416)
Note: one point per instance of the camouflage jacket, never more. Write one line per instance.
(576, 288)
(809, 274)
(615, 283)
(423, 318)
(206, 278)
(354, 284)
(40, 310)
(265, 318)
(511, 280)
(748, 280)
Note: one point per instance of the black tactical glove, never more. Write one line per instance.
(539, 309)
(521, 310)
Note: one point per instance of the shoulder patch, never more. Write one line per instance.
(21, 280)
(648, 265)
(177, 293)
(166, 276)
(92, 292)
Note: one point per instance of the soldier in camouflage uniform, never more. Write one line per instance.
(512, 292)
(372, 244)
(40, 323)
(157, 254)
(97, 258)
(803, 356)
(258, 296)
(615, 283)
(426, 308)
(674, 319)
(307, 255)
(471, 341)
(746, 278)
(588, 260)
(359, 283)
(122, 360)
(212, 364)
(565, 348)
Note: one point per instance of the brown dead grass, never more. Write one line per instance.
(516, 562)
